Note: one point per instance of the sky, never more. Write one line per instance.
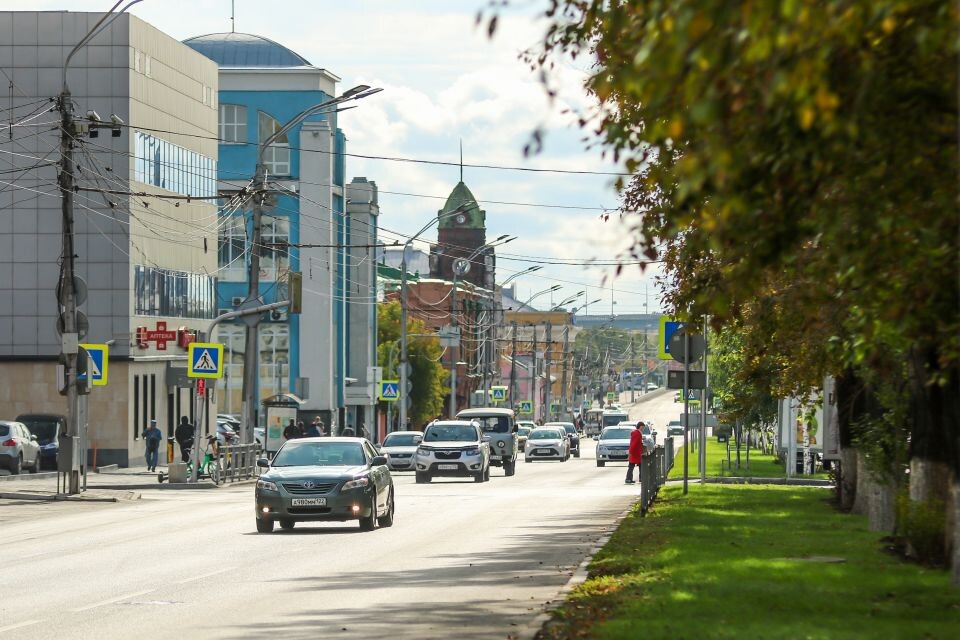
(444, 80)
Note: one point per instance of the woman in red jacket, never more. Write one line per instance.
(635, 453)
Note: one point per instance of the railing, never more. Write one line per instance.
(239, 461)
(653, 473)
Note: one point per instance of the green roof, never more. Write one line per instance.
(461, 194)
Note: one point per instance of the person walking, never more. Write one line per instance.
(152, 438)
(635, 452)
(291, 431)
(184, 437)
(313, 431)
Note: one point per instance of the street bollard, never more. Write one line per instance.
(170, 450)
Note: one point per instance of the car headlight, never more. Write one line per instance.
(359, 483)
(472, 452)
(501, 443)
(423, 453)
(267, 485)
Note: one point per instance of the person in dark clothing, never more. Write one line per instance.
(302, 429)
(184, 437)
(347, 433)
(313, 431)
(152, 437)
(291, 432)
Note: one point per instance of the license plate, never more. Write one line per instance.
(545, 452)
(448, 467)
(308, 502)
(618, 455)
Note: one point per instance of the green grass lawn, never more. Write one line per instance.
(746, 561)
(761, 466)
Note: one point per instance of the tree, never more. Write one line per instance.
(794, 165)
(424, 353)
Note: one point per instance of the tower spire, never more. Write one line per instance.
(233, 15)
(461, 159)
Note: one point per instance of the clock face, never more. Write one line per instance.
(461, 219)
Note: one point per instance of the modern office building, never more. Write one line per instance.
(314, 223)
(145, 254)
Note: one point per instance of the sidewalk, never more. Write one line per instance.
(753, 562)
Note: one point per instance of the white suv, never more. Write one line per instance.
(18, 448)
(453, 448)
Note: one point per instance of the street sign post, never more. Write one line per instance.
(99, 363)
(554, 408)
(526, 407)
(389, 390)
(205, 360)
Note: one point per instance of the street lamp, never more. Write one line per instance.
(404, 375)
(520, 273)
(567, 301)
(252, 352)
(540, 293)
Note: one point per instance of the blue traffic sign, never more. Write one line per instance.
(206, 360)
(668, 327)
(499, 394)
(526, 407)
(99, 361)
(390, 390)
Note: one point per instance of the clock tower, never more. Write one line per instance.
(462, 230)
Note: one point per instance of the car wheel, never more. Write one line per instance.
(422, 478)
(486, 474)
(17, 465)
(286, 524)
(369, 523)
(600, 463)
(478, 476)
(525, 459)
(509, 467)
(264, 525)
(576, 454)
(387, 519)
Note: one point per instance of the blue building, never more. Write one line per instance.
(323, 355)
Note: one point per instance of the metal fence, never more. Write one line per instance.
(239, 461)
(653, 473)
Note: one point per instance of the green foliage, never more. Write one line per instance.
(428, 375)
(922, 524)
(741, 385)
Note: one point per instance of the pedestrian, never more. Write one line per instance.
(152, 437)
(347, 433)
(184, 437)
(291, 432)
(302, 429)
(313, 431)
(324, 430)
(635, 452)
(363, 430)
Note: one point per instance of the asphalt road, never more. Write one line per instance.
(463, 560)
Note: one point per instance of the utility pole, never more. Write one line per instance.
(548, 345)
(513, 368)
(633, 355)
(251, 350)
(566, 358)
(533, 375)
(453, 356)
(703, 406)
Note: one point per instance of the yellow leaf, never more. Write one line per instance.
(889, 24)
(676, 129)
(806, 117)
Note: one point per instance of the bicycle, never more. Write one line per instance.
(210, 466)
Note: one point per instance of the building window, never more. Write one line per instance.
(233, 242)
(169, 166)
(233, 123)
(136, 407)
(274, 260)
(276, 157)
(274, 358)
(175, 294)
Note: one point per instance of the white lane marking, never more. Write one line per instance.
(112, 600)
(205, 575)
(19, 625)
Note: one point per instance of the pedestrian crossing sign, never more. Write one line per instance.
(498, 394)
(390, 390)
(526, 407)
(206, 360)
(611, 397)
(99, 362)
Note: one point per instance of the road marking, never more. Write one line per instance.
(19, 625)
(112, 600)
(205, 575)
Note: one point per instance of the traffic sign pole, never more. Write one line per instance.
(686, 418)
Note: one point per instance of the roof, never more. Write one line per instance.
(245, 50)
(484, 411)
(461, 195)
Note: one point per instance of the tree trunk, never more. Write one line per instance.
(847, 480)
(955, 560)
(876, 497)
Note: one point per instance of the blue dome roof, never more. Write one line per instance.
(244, 50)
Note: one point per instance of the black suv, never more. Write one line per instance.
(572, 435)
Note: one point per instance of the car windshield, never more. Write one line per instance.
(523, 431)
(493, 424)
(613, 418)
(450, 433)
(569, 428)
(402, 440)
(45, 430)
(616, 434)
(319, 454)
(544, 434)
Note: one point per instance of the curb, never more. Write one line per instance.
(59, 497)
(178, 486)
(530, 630)
(107, 468)
(46, 475)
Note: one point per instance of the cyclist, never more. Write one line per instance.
(184, 437)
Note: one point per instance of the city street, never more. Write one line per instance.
(478, 559)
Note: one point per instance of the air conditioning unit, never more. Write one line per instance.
(220, 312)
(277, 315)
(236, 301)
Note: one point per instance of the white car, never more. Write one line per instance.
(613, 444)
(652, 386)
(18, 447)
(400, 448)
(649, 435)
(547, 443)
(453, 448)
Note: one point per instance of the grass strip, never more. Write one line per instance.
(761, 465)
(746, 561)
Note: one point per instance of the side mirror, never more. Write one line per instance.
(33, 438)
(378, 461)
(263, 463)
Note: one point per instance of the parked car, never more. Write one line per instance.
(652, 386)
(571, 430)
(18, 447)
(324, 479)
(232, 420)
(400, 448)
(226, 434)
(453, 448)
(47, 428)
(674, 428)
(547, 443)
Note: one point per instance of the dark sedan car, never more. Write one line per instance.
(47, 427)
(324, 479)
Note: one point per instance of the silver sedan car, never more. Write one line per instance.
(18, 447)
(547, 443)
(400, 448)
